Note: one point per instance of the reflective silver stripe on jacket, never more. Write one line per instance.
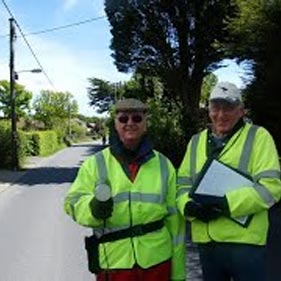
(178, 240)
(102, 170)
(247, 149)
(264, 194)
(184, 190)
(193, 156)
(184, 181)
(164, 176)
(267, 174)
(243, 163)
(137, 197)
(186, 184)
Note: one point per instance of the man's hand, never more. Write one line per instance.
(218, 202)
(202, 212)
(101, 209)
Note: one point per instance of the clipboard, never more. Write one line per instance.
(216, 179)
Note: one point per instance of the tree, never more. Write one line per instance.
(176, 40)
(255, 39)
(142, 86)
(101, 93)
(209, 82)
(22, 102)
(53, 107)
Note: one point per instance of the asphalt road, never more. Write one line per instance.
(38, 241)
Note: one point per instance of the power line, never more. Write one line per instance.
(34, 55)
(65, 26)
(61, 26)
(7, 8)
(28, 45)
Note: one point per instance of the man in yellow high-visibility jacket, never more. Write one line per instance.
(127, 194)
(229, 250)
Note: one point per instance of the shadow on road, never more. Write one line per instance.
(47, 175)
(56, 175)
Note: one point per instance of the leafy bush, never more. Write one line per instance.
(45, 142)
(28, 144)
(165, 132)
(78, 131)
(5, 144)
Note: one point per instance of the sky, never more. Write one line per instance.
(68, 56)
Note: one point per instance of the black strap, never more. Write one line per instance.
(136, 230)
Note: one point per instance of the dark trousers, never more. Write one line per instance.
(232, 262)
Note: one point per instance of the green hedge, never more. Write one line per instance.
(36, 143)
(44, 143)
(5, 144)
(27, 143)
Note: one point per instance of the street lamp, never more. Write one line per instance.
(35, 70)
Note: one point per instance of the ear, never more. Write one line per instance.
(145, 127)
(242, 111)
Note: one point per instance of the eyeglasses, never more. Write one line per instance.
(226, 108)
(136, 118)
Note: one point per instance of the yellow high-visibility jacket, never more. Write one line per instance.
(151, 197)
(252, 151)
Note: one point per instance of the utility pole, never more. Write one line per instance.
(14, 135)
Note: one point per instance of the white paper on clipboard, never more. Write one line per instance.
(219, 179)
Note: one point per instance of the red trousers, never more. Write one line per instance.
(160, 272)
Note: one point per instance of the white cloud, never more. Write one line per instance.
(67, 69)
(97, 6)
(232, 72)
(69, 4)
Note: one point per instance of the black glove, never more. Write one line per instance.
(101, 209)
(202, 212)
(210, 201)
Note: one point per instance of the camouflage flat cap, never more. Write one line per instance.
(130, 105)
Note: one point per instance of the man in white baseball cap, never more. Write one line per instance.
(230, 251)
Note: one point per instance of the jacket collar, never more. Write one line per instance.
(140, 155)
(215, 145)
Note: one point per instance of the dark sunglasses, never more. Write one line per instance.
(125, 118)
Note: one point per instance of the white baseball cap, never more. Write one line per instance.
(226, 91)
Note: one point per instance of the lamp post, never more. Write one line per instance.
(13, 77)
(14, 139)
(35, 70)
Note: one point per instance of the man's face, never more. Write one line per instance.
(224, 116)
(130, 126)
